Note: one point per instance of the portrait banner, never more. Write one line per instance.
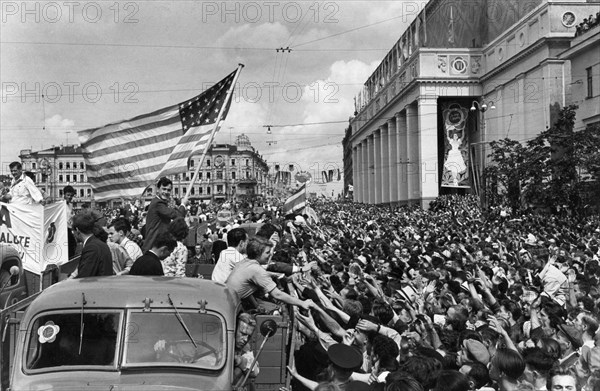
(38, 233)
(456, 147)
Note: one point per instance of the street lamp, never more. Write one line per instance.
(482, 106)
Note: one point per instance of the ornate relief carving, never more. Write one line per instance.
(442, 63)
(475, 64)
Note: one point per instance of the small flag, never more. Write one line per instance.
(124, 158)
(296, 202)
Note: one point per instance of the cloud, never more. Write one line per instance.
(57, 125)
(316, 147)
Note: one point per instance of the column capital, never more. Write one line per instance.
(427, 99)
(399, 114)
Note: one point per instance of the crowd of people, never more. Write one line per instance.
(389, 298)
(587, 23)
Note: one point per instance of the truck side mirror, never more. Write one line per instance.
(268, 328)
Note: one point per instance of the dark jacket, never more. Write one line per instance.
(158, 219)
(147, 265)
(96, 259)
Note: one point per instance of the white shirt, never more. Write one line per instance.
(24, 191)
(227, 260)
(132, 249)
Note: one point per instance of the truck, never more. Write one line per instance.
(133, 333)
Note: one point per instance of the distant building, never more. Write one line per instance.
(230, 172)
(56, 167)
(463, 74)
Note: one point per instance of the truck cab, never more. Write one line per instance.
(127, 333)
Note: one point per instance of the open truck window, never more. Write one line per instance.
(72, 339)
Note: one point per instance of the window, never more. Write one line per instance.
(74, 165)
(219, 174)
(193, 191)
(232, 174)
(590, 84)
(247, 162)
(68, 165)
(219, 188)
(208, 190)
(247, 174)
(59, 344)
(208, 175)
(200, 176)
(81, 193)
(89, 192)
(33, 165)
(233, 162)
(200, 190)
(60, 192)
(74, 178)
(81, 166)
(60, 166)
(176, 191)
(291, 167)
(82, 178)
(192, 163)
(60, 178)
(68, 178)
(157, 326)
(207, 162)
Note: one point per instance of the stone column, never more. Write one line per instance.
(392, 161)
(364, 172)
(385, 164)
(355, 171)
(428, 150)
(377, 165)
(401, 164)
(371, 169)
(412, 152)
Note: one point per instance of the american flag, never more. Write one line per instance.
(124, 158)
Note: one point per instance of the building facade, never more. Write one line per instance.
(462, 75)
(56, 167)
(229, 172)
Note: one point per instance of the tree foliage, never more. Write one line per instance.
(550, 170)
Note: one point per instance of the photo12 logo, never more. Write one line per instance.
(69, 11)
(269, 11)
(53, 92)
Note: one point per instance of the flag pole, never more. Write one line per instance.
(212, 134)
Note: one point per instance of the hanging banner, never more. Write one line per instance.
(38, 233)
(456, 142)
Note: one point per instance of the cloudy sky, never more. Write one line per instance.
(96, 62)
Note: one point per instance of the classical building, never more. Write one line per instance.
(463, 74)
(229, 172)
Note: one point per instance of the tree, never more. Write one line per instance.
(548, 171)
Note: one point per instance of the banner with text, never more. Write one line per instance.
(38, 233)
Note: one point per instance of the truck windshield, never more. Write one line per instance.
(159, 338)
(58, 339)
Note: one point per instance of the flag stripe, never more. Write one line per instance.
(296, 201)
(124, 158)
(154, 120)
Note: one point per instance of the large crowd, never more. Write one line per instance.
(390, 298)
